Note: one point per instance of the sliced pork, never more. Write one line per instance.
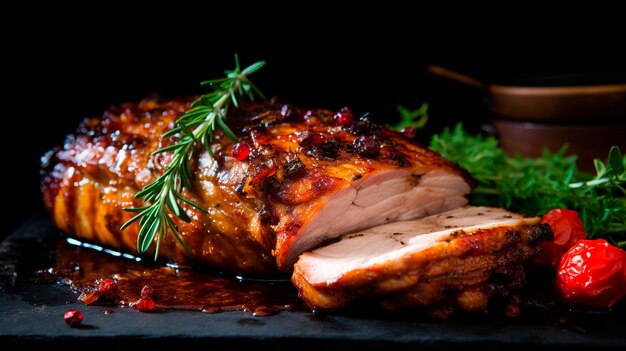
(456, 259)
(307, 180)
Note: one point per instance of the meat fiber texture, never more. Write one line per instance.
(307, 181)
(447, 260)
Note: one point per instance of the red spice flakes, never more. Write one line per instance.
(145, 304)
(107, 286)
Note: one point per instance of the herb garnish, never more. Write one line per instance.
(416, 119)
(535, 186)
(196, 126)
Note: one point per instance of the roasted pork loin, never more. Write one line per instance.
(456, 259)
(306, 181)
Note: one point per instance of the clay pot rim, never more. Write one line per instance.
(602, 89)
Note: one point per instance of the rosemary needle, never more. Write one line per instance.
(196, 126)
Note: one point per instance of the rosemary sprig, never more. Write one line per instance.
(196, 126)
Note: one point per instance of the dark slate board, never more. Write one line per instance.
(31, 315)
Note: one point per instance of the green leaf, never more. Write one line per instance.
(184, 216)
(174, 229)
(171, 203)
(196, 125)
(199, 112)
(192, 203)
(187, 130)
(157, 185)
(226, 129)
(254, 91)
(214, 82)
(233, 98)
(412, 118)
(253, 68)
(147, 234)
(135, 209)
(615, 160)
(167, 148)
(237, 66)
(536, 185)
(132, 220)
(171, 132)
(185, 174)
(599, 166)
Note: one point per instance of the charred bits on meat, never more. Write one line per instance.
(328, 151)
(363, 125)
(267, 215)
(271, 174)
(293, 167)
(367, 146)
(309, 138)
(317, 145)
(262, 172)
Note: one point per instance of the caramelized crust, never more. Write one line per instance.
(256, 207)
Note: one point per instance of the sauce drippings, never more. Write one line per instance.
(174, 287)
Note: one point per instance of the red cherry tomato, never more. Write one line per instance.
(568, 230)
(592, 274)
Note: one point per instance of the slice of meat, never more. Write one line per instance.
(380, 197)
(307, 180)
(448, 258)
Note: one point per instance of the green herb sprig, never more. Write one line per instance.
(416, 119)
(196, 126)
(536, 185)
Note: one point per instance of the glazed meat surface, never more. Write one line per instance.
(458, 259)
(306, 181)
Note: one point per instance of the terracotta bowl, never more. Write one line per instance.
(586, 111)
(588, 141)
(561, 104)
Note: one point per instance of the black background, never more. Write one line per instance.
(63, 65)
